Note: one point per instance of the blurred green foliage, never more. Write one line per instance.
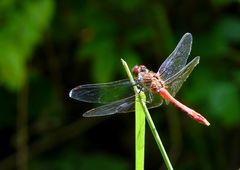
(47, 47)
(22, 26)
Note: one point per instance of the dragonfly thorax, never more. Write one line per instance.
(148, 78)
(153, 81)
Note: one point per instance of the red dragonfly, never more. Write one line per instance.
(119, 97)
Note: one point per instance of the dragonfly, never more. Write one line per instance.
(119, 97)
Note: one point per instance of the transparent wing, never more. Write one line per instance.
(153, 100)
(102, 92)
(120, 106)
(177, 59)
(175, 82)
(123, 106)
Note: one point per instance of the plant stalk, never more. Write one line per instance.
(149, 120)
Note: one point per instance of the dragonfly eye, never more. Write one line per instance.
(139, 69)
(136, 69)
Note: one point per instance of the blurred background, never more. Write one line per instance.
(48, 47)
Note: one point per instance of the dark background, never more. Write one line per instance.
(48, 47)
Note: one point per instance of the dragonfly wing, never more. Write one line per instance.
(123, 106)
(154, 101)
(177, 59)
(175, 82)
(102, 92)
(120, 106)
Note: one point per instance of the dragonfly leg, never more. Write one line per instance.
(139, 86)
(150, 98)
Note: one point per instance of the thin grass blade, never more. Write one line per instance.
(139, 132)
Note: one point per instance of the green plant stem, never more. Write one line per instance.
(139, 132)
(149, 120)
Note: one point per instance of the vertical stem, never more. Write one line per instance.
(22, 129)
(139, 133)
(150, 121)
(157, 137)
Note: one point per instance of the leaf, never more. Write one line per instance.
(12, 67)
(18, 39)
(139, 132)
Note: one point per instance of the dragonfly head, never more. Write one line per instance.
(139, 69)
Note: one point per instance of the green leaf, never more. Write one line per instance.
(18, 38)
(12, 67)
(139, 132)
